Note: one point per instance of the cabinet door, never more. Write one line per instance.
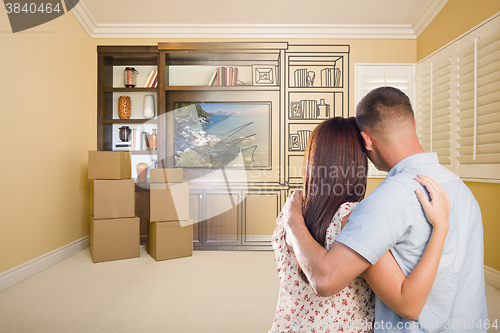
(142, 204)
(222, 225)
(195, 214)
(260, 215)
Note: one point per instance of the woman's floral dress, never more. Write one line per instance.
(300, 309)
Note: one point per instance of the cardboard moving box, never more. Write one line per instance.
(114, 239)
(171, 175)
(169, 202)
(109, 165)
(114, 198)
(169, 240)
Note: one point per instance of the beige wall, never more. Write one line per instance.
(372, 184)
(488, 197)
(456, 18)
(45, 117)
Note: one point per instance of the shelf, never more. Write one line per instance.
(307, 121)
(141, 152)
(222, 88)
(130, 89)
(144, 152)
(129, 121)
(316, 89)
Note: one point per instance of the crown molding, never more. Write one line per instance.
(427, 15)
(286, 31)
(84, 16)
(252, 31)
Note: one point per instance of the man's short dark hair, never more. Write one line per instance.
(383, 106)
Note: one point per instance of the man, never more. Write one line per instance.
(391, 218)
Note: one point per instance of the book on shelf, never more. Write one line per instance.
(213, 78)
(300, 77)
(150, 78)
(139, 140)
(136, 139)
(303, 138)
(218, 76)
(235, 76)
(144, 141)
(309, 109)
(299, 141)
(224, 76)
(123, 146)
(155, 81)
(330, 77)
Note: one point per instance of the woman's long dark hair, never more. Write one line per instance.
(335, 172)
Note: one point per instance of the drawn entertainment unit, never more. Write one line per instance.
(235, 116)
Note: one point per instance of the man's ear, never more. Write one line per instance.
(368, 140)
(415, 123)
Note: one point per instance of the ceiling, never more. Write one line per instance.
(300, 18)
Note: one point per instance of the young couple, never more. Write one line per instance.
(333, 249)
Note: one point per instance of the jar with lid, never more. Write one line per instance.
(130, 77)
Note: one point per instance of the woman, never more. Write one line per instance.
(334, 182)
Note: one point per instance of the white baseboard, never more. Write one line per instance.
(28, 269)
(492, 277)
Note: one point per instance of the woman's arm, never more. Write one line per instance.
(407, 295)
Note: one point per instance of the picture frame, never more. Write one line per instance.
(296, 111)
(264, 75)
(294, 142)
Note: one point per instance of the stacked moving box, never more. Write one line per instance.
(170, 232)
(114, 228)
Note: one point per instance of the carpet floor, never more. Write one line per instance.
(212, 291)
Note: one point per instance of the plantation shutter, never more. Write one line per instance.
(478, 104)
(433, 112)
(370, 76)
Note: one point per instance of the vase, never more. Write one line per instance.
(125, 133)
(124, 107)
(152, 139)
(323, 110)
(149, 107)
(142, 172)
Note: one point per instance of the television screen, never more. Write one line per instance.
(219, 134)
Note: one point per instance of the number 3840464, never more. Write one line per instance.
(471, 324)
(18, 8)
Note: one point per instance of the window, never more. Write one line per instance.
(371, 76)
(458, 103)
(433, 107)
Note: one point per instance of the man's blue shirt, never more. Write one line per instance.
(391, 218)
